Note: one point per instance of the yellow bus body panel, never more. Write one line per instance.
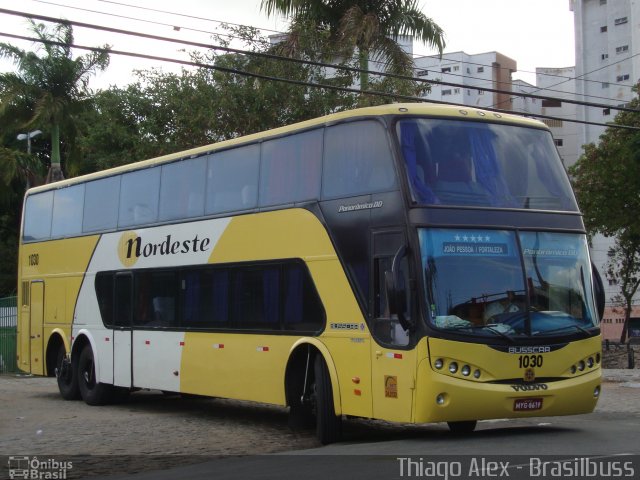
(61, 266)
(241, 368)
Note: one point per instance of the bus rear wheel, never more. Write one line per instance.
(66, 376)
(92, 391)
(328, 424)
(462, 427)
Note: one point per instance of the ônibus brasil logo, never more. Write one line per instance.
(132, 246)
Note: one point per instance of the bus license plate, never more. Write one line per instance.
(527, 404)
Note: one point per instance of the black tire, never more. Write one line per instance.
(66, 376)
(301, 417)
(461, 428)
(93, 392)
(328, 424)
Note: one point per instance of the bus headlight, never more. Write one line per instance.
(581, 365)
(453, 367)
(590, 362)
(438, 363)
(596, 392)
(466, 370)
(476, 374)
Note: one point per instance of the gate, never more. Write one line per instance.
(8, 327)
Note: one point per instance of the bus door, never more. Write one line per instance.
(392, 364)
(36, 318)
(122, 333)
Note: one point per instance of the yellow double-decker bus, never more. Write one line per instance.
(409, 263)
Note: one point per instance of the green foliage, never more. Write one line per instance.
(606, 179)
(371, 28)
(49, 91)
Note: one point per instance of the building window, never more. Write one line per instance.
(446, 92)
(480, 69)
(468, 92)
(422, 73)
(559, 142)
(446, 69)
(603, 29)
(468, 70)
(606, 111)
(603, 2)
(605, 84)
(551, 103)
(480, 92)
(604, 56)
(456, 68)
(456, 90)
(622, 49)
(620, 21)
(622, 78)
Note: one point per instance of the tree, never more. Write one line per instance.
(606, 179)
(371, 28)
(623, 269)
(49, 90)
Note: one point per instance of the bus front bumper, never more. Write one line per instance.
(441, 398)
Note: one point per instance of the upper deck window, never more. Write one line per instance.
(357, 160)
(451, 162)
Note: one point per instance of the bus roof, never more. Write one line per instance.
(426, 109)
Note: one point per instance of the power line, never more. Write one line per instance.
(283, 33)
(294, 82)
(309, 62)
(415, 56)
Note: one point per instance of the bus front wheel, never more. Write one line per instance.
(462, 427)
(92, 391)
(328, 424)
(66, 376)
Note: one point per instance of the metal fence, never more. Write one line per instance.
(8, 327)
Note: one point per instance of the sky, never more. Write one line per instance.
(534, 33)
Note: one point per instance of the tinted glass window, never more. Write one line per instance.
(357, 160)
(37, 217)
(232, 180)
(290, 169)
(452, 162)
(264, 297)
(101, 204)
(104, 294)
(182, 190)
(205, 294)
(156, 299)
(139, 197)
(67, 211)
(255, 298)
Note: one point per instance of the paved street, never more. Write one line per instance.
(152, 434)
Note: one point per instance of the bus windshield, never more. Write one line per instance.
(475, 283)
(453, 162)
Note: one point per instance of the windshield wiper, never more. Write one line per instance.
(490, 327)
(559, 329)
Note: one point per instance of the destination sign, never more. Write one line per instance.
(463, 248)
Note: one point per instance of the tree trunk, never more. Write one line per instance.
(627, 316)
(363, 57)
(55, 170)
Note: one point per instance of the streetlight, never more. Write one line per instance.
(28, 136)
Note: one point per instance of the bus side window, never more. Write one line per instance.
(357, 160)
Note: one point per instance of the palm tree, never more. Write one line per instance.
(372, 27)
(49, 90)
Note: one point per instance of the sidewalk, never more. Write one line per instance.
(621, 375)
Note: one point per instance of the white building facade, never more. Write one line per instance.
(607, 58)
(607, 34)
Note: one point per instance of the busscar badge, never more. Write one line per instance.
(529, 375)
